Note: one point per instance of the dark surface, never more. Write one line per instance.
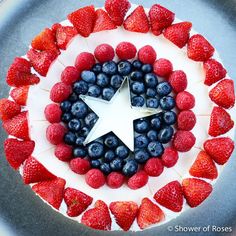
(20, 20)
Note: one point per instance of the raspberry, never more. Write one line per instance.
(69, 75)
(115, 180)
(154, 167)
(104, 52)
(63, 152)
(84, 61)
(178, 81)
(53, 113)
(60, 92)
(126, 50)
(147, 54)
(80, 166)
(138, 180)
(183, 141)
(185, 100)
(186, 120)
(169, 157)
(55, 133)
(95, 178)
(162, 67)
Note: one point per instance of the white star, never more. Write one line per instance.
(117, 116)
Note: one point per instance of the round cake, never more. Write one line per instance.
(120, 118)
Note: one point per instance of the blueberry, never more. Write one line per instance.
(70, 138)
(94, 91)
(136, 75)
(109, 68)
(167, 103)
(141, 156)
(130, 168)
(152, 135)
(155, 149)
(116, 164)
(137, 88)
(74, 125)
(88, 76)
(124, 67)
(137, 64)
(80, 87)
(108, 93)
(141, 126)
(163, 88)
(84, 131)
(79, 109)
(156, 123)
(141, 141)
(122, 152)
(79, 141)
(97, 68)
(102, 80)
(151, 80)
(147, 68)
(137, 101)
(73, 97)
(105, 168)
(79, 152)
(169, 117)
(65, 106)
(95, 163)
(116, 81)
(109, 156)
(151, 92)
(91, 119)
(165, 134)
(111, 141)
(152, 102)
(95, 150)
(66, 117)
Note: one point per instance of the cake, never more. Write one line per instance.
(119, 118)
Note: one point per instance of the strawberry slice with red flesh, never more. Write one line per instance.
(125, 213)
(20, 95)
(220, 149)
(204, 167)
(34, 171)
(41, 61)
(178, 33)
(97, 217)
(18, 126)
(103, 21)
(19, 73)
(220, 122)
(137, 21)
(17, 151)
(170, 196)
(149, 214)
(83, 20)
(76, 201)
(8, 109)
(51, 191)
(196, 191)
(160, 18)
(223, 94)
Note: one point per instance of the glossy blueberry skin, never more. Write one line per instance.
(137, 64)
(116, 81)
(137, 88)
(116, 164)
(151, 92)
(141, 126)
(111, 141)
(102, 80)
(124, 68)
(97, 68)
(122, 152)
(79, 109)
(130, 168)
(79, 152)
(152, 135)
(167, 103)
(151, 80)
(66, 117)
(108, 93)
(105, 168)
(164, 88)
(156, 123)
(74, 125)
(141, 141)
(65, 106)
(109, 156)
(137, 101)
(80, 87)
(91, 119)
(152, 102)
(79, 141)
(88, 76)
(109, 68)
(141, 156)
(169, 117)
(84, 131)
(95, 163)
(136, 75)
(147, 68)
(70, 138)
(155, 149)
(165, 134)
(95, 150)
(73, 97)
(94, 91)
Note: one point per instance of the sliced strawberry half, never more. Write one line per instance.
(8, 109)
(20, 95)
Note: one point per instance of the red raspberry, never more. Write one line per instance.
(154, 167)
(60, 92)
(115, 180)
(53, 113)
(183, 141)
(126, 50)
(104, 52)
(55, 133)
(169, 157)
(186, 120)
(185, 100)
(80, 166)
(162, 67)
(69, 75)
(95, 178)
(63, 152)
(178, 81)
(84, 61)
(147, 54)
(138, 180)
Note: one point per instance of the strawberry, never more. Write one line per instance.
(160, 18)
(18, 126)
(220, 149)
(17, 151)
(76, 201)
(124, 213)
(137, 21)
(220, 122)
(34, 171)
(8, 109)
(195, 191)
(178, 33)
(19, 73)
(83, 20)
(51, 191)
(55, 27)
(41, 61)
(183, 141)
(204, 167)
(170, 196)
(20, 95)
(103, 21)
(214, 71)
(117, 10)
(199, 49)
(149, 214)
(223, 93)
(97, 217)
